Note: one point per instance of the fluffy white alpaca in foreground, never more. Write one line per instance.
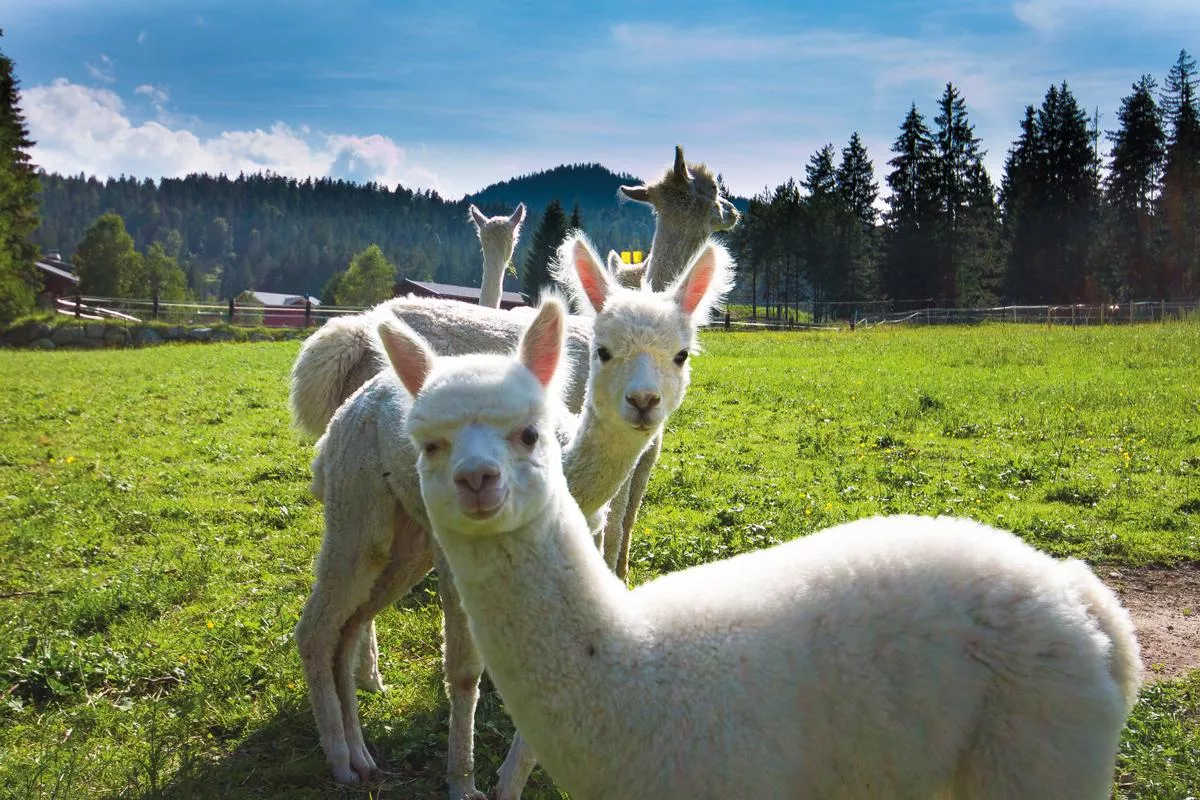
(895, 657)
(498, 237)
(376, 545)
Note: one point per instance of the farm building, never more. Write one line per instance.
(283, 310)
(467, 294)
(58, 278)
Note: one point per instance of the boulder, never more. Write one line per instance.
(41, 344)
(146, 336)
(68, 335)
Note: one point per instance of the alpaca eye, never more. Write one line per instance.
(681, 357)
(432, 448)
(603, 354)
(529, 436)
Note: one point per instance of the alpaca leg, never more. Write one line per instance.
(514, 772)
(409, 559)
(637, 490)
(611, 540)
(341, 588)
(367, 675)
(463, 667)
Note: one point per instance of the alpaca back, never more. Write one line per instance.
(870, 655)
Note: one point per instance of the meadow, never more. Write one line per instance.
(157, 533)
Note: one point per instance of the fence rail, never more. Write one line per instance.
(134, 311)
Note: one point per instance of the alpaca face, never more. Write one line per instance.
(641, 340)
(685, 193)
(482, 425)
(485, 445)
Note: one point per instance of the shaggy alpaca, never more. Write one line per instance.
(376, 546)
(902, 656)
(498, 237)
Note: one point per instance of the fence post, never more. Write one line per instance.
(1102, 315)
(307, 311)
(154, 310)
(1049, 311)
(231, 311)
(1162, 310)
(1072, 315)
(727, 319)
(78, 300)
(1131, 311)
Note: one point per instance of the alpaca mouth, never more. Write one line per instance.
(481, 505)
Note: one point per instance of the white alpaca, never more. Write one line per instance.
(898, 657)
(345, 353)
(376, 545)
(498, 236)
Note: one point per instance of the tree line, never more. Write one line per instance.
(1052, 232)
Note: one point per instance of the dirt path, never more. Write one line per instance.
(1165, 604)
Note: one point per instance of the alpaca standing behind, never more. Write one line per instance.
(498, 237)
(376, 547)
(891, 657)
(345, 353)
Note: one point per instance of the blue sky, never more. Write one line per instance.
(456, 96)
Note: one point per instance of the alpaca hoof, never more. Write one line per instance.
(364, 765)
(372, 684)
(345, 775)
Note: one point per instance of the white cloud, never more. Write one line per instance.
(156, 95)
(141, 38)
(104, 71)
(86, 129)
(1051, 16)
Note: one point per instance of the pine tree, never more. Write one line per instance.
(1132, 187)
(824, 211)
(369, 279)
(1020, 203)
(1180, 201)
(576, 221)
(908, 269)
(859, 190)
(106, 261)
(18, 201)
(550, 234)
(957, 158)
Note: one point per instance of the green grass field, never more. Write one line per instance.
(156, 532)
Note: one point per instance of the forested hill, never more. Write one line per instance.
(280, 234)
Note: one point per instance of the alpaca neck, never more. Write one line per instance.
(542, 606)
(676, 240)
(494, 266)
(600, 457)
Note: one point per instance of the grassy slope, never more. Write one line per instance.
(155, 503)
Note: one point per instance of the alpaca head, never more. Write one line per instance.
(498, 234)
(482, 424)
(686, 193)
(638, 369)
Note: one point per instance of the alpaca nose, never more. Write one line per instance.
(643, 401)
(477, 479)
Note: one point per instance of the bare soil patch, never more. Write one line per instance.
(1165, 604)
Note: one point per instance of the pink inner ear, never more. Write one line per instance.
(590, 277)
(409, 358)
(542, 346)
(698, 280)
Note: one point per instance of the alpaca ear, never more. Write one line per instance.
(582, 271)
(614, 262)
(681, 169)
(518, 216)
(410, 355)
(542, 345)
(478, 217)
(705, 282)
(639, 193)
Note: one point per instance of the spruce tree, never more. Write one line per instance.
(549, 235)
(1180, 201)
(1132, 187)
(1020, 203)
(824, 209)
(576, 220)
(858, 188)
(907, 271)
(18, 201)
(958, 159)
